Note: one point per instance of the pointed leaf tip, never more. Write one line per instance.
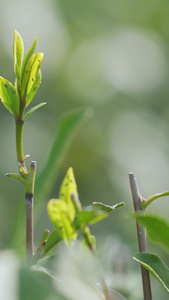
(18, 51)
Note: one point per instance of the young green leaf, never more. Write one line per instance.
(54, 238)
(16, 176)
(60, 216)
(26, 75)
(104, 207)
(37, 61)
(18, 50)
(157, 228)
(86, 218)
(27, 57)
(34, 88)
(31, 110)
(155, 265)
(52, 241)
(69, 187)
(42, 243)
(9, 96)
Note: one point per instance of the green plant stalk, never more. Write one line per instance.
(19, 141)
(29, 198)
(144, 203)
(141, 234)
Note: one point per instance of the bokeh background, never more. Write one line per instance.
(112, 58)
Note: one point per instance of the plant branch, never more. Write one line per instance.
(29, 197)
(141, 233)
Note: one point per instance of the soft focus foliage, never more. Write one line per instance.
(111, 56)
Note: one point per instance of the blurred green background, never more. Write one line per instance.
(111, 57)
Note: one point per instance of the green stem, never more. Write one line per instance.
(19, 141)
(144, 203)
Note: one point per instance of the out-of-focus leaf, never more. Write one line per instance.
(157, 228)
(68, 187)
(47, 178)
(55, 238)
(18, 50)
(47, 265)
(155, 265)
(115, 295)
(37, 284)
(61, 217)
(42, 244)
(9, 96)
(104, 207)
(52, 241)
(92, 241)
(31, 110)
(34, 88)
(90, 217)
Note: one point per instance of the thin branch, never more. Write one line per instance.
(29, 225)
(141, 233)
(29, 197)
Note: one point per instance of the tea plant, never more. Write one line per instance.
(65, 212)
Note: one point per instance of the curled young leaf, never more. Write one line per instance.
(27, 57)
(9, 96)
(37, 61)
(18, 50)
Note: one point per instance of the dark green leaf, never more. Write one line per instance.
(155, 265)
(157, 228)
(31, 110)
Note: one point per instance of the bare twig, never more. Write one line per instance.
(29, 224)
(29, 197)
(141, 233)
